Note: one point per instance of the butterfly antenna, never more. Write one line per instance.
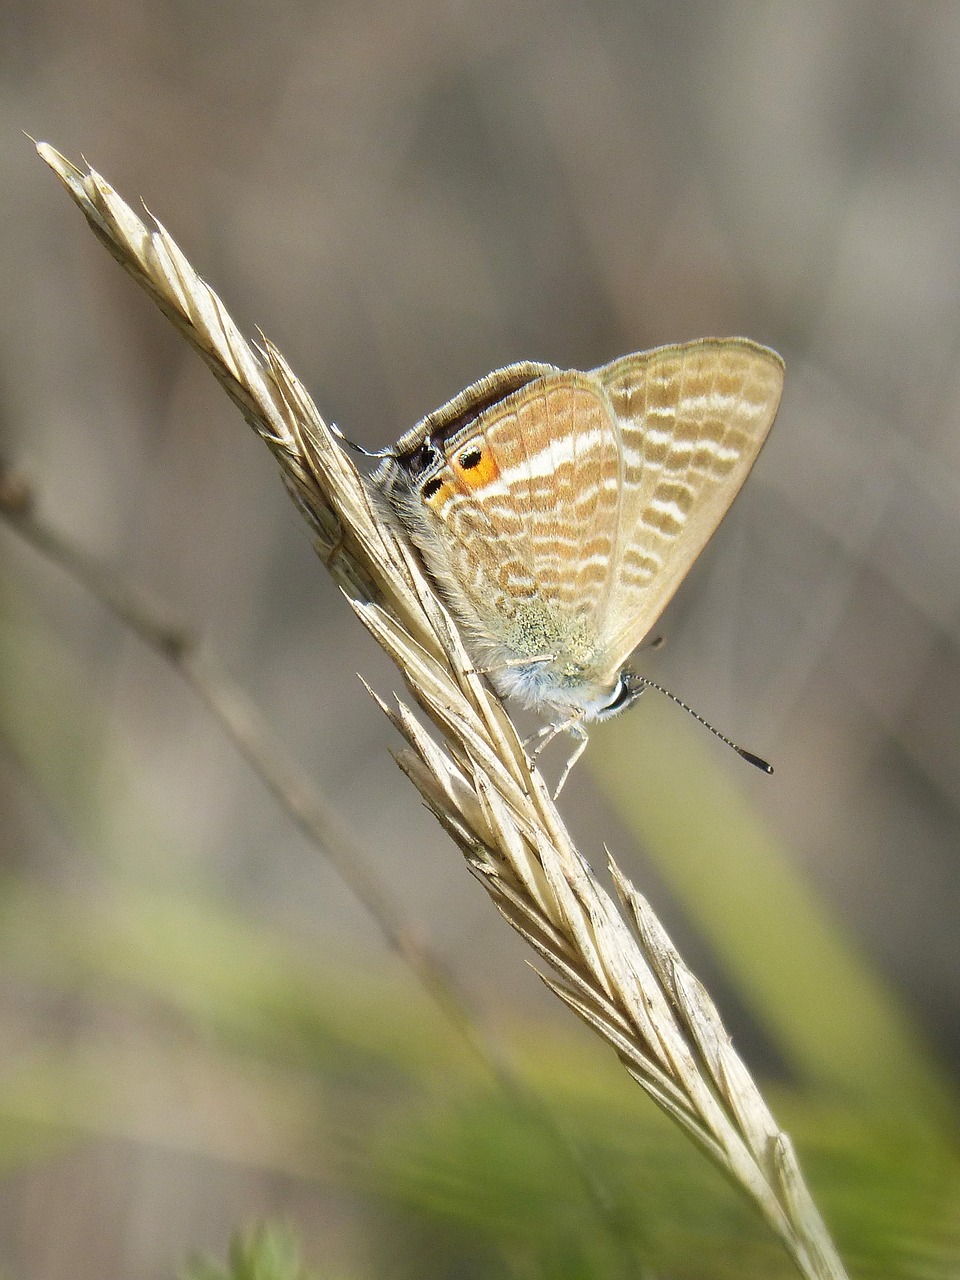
(758, 762)
(358, 448)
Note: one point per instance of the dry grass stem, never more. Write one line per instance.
(616, 969)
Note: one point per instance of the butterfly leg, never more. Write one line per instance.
(573, 726)
(538, 661)
(547, 733)
(576, 729)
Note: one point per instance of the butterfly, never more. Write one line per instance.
(557, 512)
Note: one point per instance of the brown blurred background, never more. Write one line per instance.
(404, 196)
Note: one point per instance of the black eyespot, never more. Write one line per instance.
(431, 487)
(470, 458)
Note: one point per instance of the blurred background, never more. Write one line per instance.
(200, 1027)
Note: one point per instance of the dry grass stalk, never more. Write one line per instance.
(627, 983)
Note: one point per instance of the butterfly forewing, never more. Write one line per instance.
(692, 420)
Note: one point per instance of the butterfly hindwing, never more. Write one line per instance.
(692, 420)
(536, 515)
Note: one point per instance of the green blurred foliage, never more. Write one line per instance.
(367, 1091)
(269, 1252)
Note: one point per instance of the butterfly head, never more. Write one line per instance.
(624, 694)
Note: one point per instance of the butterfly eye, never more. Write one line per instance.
(418, 462)
(470, 458)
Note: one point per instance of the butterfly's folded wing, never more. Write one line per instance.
(544, 520)
(692, 420)
(572, 509)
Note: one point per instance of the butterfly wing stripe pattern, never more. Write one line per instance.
(692, 421)
(558, 456)
(542, 522)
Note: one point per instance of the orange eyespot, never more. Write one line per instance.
(475, 466)
(436, 492)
